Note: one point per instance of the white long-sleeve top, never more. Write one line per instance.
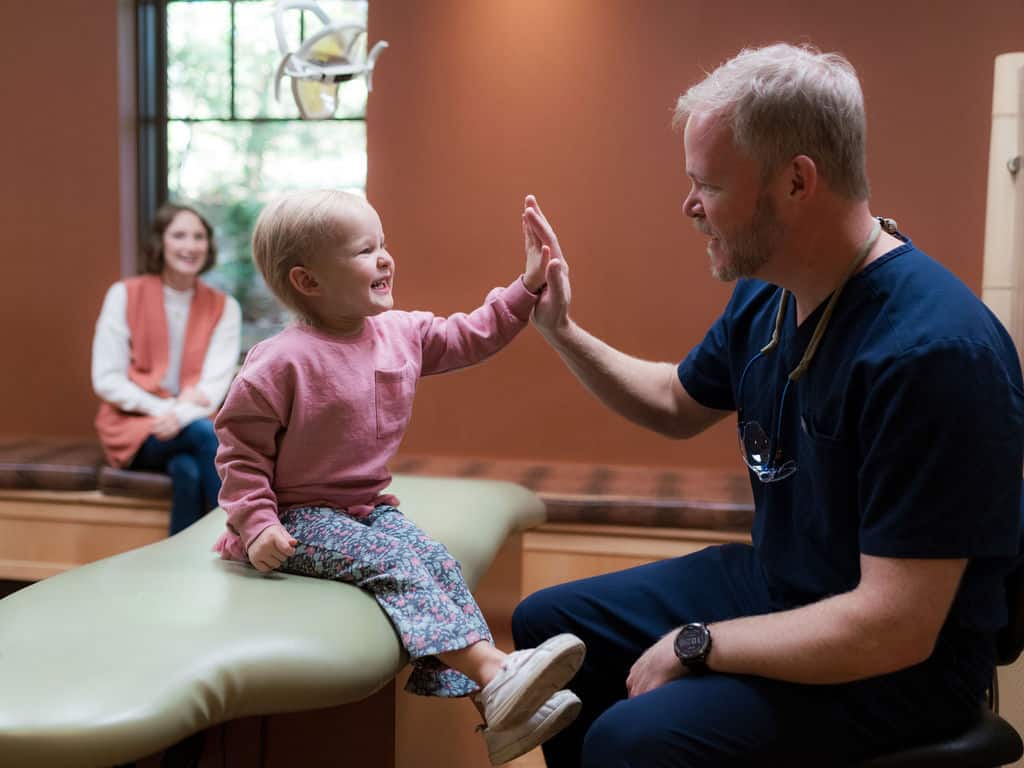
(111, 355)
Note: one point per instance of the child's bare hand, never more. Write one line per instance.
(552, 311)
(271, 548)
(537, 253)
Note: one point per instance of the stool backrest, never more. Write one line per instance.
(1010, 640)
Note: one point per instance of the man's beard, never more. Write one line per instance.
(751, 247)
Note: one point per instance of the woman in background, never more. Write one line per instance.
(164, 353)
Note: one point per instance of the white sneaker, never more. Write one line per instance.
(556, 714)
(527, 680)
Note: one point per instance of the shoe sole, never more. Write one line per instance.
(560, 719)
(566, 658)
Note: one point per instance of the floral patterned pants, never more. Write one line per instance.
(413, 578)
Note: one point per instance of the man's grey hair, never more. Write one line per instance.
(785, 100)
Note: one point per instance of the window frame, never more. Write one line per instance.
(152, 112)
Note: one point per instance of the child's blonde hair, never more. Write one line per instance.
(290, 231)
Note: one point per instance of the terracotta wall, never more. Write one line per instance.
(476, 103)
(60, 206)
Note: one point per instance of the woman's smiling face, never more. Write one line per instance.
(186, 247)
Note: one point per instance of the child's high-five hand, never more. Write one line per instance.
(537, 256)
(551, 315)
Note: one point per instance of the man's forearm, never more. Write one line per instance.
(639, 390)
(836, 640)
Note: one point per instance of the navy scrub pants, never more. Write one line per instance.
(716, 719)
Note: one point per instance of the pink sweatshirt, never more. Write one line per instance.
(313, 419)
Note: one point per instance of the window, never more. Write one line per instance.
(214, 132)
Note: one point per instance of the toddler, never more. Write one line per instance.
(309, 425)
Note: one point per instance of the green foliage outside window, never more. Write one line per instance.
(232, 147)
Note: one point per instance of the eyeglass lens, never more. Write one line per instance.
(756, 450)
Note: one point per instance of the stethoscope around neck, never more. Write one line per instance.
(759, 453)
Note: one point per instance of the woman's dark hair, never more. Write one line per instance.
(153, 250)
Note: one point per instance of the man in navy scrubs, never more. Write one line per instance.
(880, 410)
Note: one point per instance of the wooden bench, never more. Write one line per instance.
(61, 506)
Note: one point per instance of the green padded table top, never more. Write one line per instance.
(123, 657)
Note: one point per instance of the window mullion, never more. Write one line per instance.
(231, 64)
(151, 46)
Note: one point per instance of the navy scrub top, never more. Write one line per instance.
(907, 430)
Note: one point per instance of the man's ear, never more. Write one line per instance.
(801, 178)
(304, 281)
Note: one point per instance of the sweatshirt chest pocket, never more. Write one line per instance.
(393, 392)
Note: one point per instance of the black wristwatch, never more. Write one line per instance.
(692, 646)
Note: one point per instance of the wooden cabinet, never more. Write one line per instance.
(560, 552)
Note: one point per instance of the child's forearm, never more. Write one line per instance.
(461, 339)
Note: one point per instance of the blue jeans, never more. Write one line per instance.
(188, 459)
(718, 719)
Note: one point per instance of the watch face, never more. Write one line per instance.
(691, 642)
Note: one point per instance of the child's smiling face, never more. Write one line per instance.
(353, 276)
